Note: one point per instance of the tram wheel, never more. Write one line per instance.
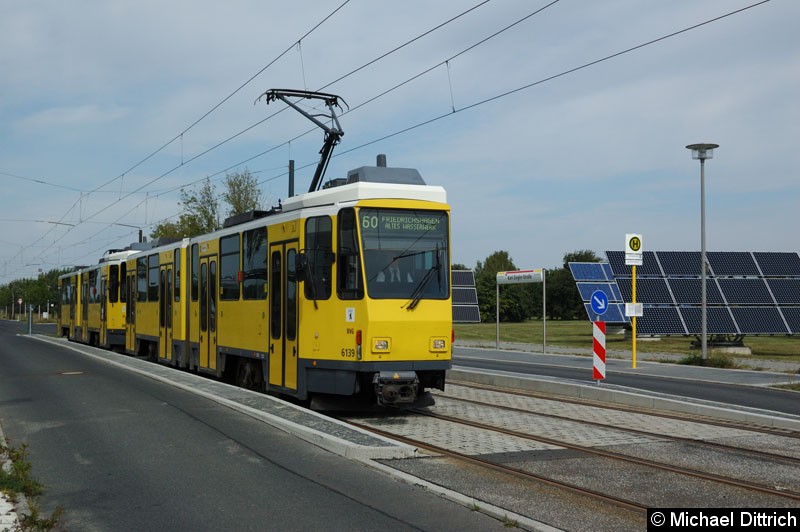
(248, 375)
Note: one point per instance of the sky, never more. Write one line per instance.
(564, 132)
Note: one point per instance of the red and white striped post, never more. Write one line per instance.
(599, 341)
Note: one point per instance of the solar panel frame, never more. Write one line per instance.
(587, 271)
(614, 314)
(755, 293)
(786, 291)
(739, 263)
(616, 260)
(649, 267)
(686, 291)
(745, 291)
(759, 320)
(778, 264)
(463, 278)
(679, 263)
(607, 271)
(611, 290)
(463, 295)
(660, 321)
(792, 317)
(466, 314)
(652, 290)
(718, 320)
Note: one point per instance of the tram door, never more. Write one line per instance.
(74, 286)
(130, 311)
(103, 340)
(84, 331)
(165, 312)
(208, 313)
(283, 315)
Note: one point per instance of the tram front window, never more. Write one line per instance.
(405, 253)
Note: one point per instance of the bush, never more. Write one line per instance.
(714, 360)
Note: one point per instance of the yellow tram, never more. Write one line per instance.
(93, 304)
(340, 291)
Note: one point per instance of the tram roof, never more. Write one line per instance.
(365, 190)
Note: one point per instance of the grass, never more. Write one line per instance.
(578, 334)
(17, 480)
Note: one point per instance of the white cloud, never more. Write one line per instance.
(72, 117)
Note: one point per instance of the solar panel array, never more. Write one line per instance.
(465, 298)
(593, 276)
(747, 293)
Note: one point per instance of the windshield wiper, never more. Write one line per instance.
(416, 295)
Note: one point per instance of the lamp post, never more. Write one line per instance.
(703, 151)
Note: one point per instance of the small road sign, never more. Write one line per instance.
(633, 249)
(599, 302)
(520, 276)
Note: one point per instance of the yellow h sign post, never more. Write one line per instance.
(633, 257)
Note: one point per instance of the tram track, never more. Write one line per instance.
(558, 462)
(516, 472)
(621, 457)
(685, 416)
(696, 442)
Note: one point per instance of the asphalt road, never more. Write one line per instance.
(119, 451)
(671, 379)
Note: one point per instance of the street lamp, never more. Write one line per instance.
(703, 151)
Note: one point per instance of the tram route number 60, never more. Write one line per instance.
(370, 222)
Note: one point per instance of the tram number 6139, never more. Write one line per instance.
(348, 353)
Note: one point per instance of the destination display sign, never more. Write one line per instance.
(401, 222)
(519, 276)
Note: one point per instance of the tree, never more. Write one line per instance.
(199, 216)
(242, 193)
(38, 293)
(512, 305)
(167, 230)
(200, 208)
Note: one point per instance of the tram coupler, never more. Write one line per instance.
(395, 388)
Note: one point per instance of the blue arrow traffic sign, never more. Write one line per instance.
(599, 302)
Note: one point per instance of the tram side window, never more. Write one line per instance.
(141, 279)
(229, 267)
(94, 287)
(195, 271)
(113, 283)
(349, 284)
(254, 263)
(319, 257)
(85, 296)
(176, 261)
(152, 277)
(123, 293)
(275, 303)
(66, 293)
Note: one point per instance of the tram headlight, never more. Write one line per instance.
(381, 345)
(438, 344)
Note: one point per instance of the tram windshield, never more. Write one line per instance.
(406, 254)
